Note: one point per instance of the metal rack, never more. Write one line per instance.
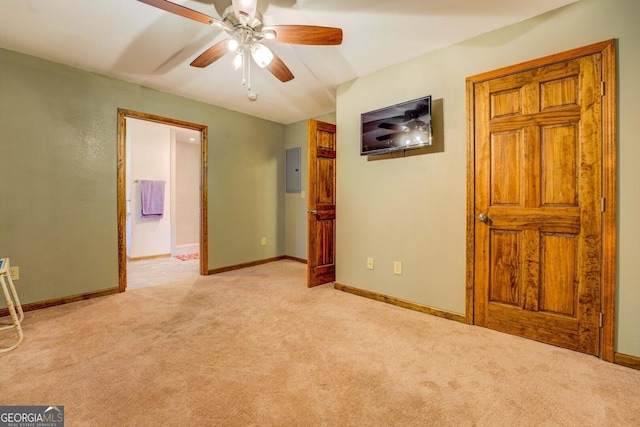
(13, 304)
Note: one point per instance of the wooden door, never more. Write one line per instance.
(321, 205)
(538, 203)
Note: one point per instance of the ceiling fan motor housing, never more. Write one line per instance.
(255, 26)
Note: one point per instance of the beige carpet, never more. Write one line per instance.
(255, 347)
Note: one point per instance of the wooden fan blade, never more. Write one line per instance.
(212, 54)
(278, 69)
(182, 11)
(307, 34)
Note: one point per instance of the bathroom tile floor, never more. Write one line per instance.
(159, 271)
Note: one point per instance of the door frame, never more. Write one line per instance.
(121, 155)
(607, 50)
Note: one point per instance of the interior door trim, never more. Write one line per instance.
(123, 114)
(607, 50)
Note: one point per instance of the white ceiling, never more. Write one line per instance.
(139, 43)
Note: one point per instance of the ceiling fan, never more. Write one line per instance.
(245, 27)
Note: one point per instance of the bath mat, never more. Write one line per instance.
(188, 257)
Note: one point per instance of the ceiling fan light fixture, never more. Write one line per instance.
(245, 10)
(233, 45)
(261, 54)
(237, 61)
(269, 34)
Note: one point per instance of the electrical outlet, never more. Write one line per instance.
(397, 267)
(263, 241)
(370, 263)
(14, 272)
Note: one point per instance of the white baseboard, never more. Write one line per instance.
(192, 248)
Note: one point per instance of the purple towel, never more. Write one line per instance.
(152, 197)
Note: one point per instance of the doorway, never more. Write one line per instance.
(124, 199)
(541, 205)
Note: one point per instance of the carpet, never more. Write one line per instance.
(187, 257)
(255, 347)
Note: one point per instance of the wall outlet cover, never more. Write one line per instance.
(397, 267)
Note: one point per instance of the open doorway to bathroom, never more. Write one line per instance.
(154, 148)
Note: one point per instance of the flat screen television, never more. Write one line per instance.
(402, 126)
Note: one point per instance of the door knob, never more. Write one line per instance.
(483, 217)
(313, 212)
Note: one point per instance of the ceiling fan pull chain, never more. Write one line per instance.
(245, 66)
(248, 74)
(253, 96)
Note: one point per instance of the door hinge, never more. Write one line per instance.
(601, 319)
(602, 88)
(602, 204)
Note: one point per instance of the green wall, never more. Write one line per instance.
(58, 167)
(413, 209)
